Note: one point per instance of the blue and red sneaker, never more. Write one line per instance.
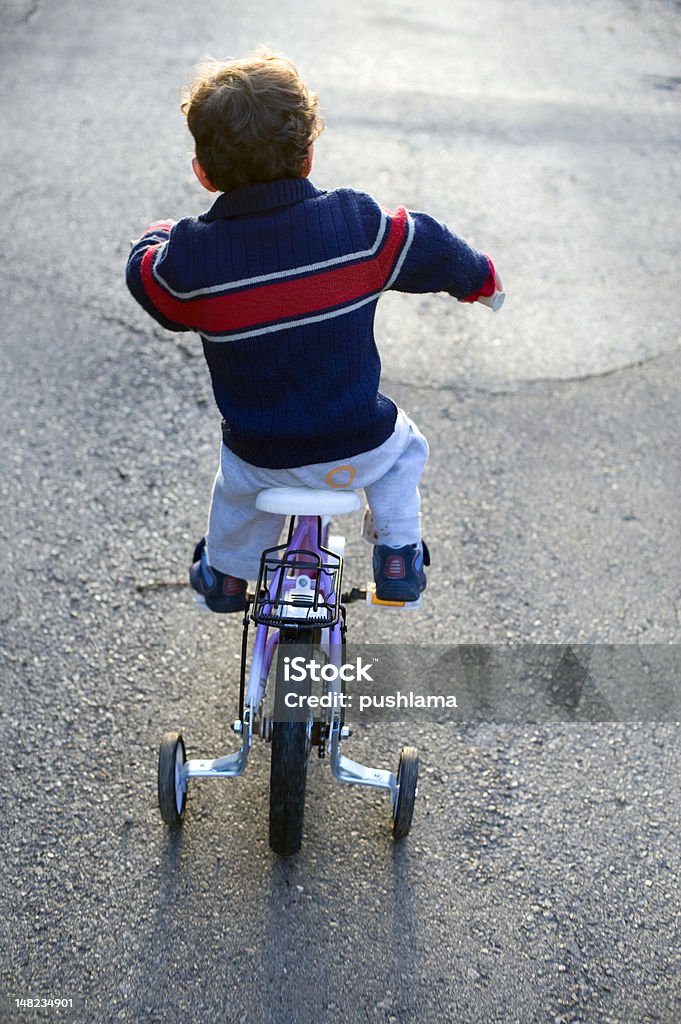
(398, 572)
(220, 592)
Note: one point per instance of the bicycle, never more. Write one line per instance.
(299, 605)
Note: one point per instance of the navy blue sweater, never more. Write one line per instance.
(281, 280)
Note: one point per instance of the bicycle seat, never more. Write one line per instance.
(307, 501)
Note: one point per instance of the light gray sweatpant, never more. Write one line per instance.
(238, 532)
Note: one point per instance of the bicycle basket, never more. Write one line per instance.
(298, 588)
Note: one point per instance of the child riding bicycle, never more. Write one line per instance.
(281, 280)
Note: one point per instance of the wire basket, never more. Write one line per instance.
(297, 588)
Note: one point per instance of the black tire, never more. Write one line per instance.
(171, 798)
(407, 779)
(288, 770)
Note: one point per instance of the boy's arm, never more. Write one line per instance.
(139, 271)
(434, 259)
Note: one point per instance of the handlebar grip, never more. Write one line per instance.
(495, 301)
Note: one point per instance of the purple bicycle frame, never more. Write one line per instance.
(305, 537)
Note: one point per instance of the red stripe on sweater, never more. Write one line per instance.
(283, 300)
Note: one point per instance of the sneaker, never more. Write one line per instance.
(220, 592)
(398, 572)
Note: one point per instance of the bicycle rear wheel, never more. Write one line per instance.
(290, 751)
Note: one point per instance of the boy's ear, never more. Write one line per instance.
(202, 176)
(307, 162)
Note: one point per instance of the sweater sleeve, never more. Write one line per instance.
(437, 260)
(152, 246)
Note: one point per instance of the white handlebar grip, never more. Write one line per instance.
(495, 302)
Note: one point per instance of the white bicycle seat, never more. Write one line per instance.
(307, 501)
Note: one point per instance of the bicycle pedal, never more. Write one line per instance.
(376, 602)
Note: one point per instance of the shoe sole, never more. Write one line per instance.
(397, 592)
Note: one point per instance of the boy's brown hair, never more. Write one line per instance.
(253, 120)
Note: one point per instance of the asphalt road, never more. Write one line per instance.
(540, 882)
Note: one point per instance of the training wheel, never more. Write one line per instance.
(172, 791)
(407, 778)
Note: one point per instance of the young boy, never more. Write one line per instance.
(281, 280)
